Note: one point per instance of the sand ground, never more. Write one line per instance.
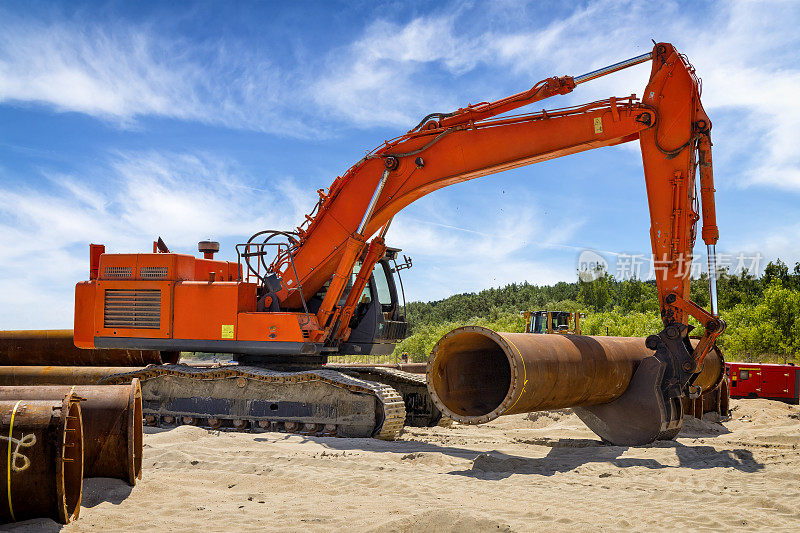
(520, 473)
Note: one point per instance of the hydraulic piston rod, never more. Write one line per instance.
(612, 68)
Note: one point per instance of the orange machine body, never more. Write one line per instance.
(170, 301)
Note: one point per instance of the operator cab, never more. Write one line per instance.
(379, 321)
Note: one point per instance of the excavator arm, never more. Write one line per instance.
(449, 148)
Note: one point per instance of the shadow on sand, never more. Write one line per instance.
(97, 490)
(36, 525)
(564, 455)
(564, 458)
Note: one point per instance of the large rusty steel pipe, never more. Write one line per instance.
(56, 347)
(475, 374)
(58, 375)
(42, 459)
(112, 425)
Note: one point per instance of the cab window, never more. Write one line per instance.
(366, 295)
(382, 285)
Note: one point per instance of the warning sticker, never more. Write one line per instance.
(227, 331)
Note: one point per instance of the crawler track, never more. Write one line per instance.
(420, 409)
(316, 402)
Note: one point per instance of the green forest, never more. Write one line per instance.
(762, 313)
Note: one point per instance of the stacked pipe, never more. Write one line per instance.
(42, 458)
(58, 375)
(102, 422)
(112, 425)
(57, 347)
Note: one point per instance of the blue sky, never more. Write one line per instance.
(123, 121)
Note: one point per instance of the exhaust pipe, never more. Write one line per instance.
(475, 375)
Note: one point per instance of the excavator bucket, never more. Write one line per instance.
(641, 415)
(617, 385)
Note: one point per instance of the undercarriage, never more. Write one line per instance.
(324, 401)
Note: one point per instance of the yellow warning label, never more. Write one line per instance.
(227, 331)
(598, 125)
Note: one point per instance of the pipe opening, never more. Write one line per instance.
(471, 374)
(73, 461)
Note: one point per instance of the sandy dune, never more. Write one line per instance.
(520, 473)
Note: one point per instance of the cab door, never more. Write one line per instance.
(377, 324)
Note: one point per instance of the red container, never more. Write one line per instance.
(765, 380)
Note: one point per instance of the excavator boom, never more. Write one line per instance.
(446, 149)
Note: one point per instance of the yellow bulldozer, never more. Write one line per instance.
(562, 322)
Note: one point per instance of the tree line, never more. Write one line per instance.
(762, 313)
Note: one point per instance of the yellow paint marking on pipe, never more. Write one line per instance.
(524, 373)
(8, 466)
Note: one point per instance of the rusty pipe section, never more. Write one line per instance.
(41, 446)
(58, 375)
(714, 384)
(475, 374)
(57, 347)
(713, 371)
(112, 425)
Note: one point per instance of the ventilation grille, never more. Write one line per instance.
(139, 309)
(153, 272)
(117, 272)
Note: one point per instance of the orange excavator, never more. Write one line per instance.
(294, 297)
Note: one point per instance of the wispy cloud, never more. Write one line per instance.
(746, 53)
(504, 246)
(380, 78)
(121, 72)
(393, 73)
(182, 197)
